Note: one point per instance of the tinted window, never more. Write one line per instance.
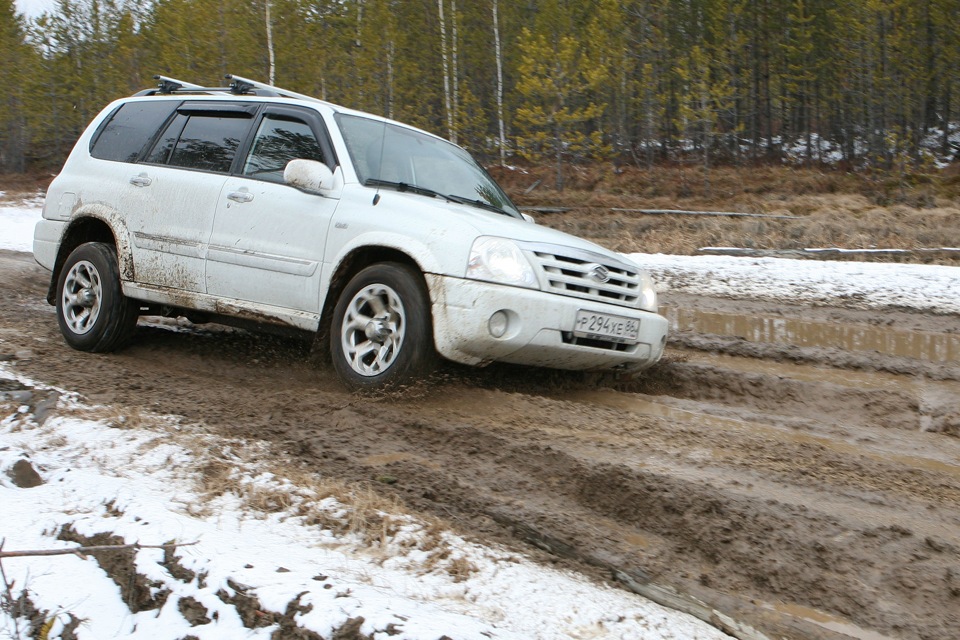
(168, 140)
(208, 142)
(131, 127)
(279, 140)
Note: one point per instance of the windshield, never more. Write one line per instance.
(386, 154)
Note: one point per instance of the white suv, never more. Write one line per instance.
(253, 203)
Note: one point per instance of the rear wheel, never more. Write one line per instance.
(381, 332)
(92, 311)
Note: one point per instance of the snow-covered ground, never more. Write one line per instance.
(17, 222)
(862, 285)
(140, 482)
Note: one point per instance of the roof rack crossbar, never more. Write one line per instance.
(169, 85)
(243, 85)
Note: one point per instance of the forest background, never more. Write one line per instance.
(859, 84)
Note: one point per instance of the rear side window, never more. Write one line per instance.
(161, 150)
(129, 129)
(204, 141)
(209, 143)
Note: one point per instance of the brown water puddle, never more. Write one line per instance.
(917, 385)
(921, 345)
(645, 406)
(827, 621)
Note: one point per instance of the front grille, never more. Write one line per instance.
(579, 275)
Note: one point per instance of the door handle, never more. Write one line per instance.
(142, 180)
(240, 196)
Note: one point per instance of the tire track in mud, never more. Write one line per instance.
(598, 512)
(803, 501)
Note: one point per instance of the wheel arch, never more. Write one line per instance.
(350, 265)
(87, 228)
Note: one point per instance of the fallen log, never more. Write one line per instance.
(82, 550)
(828, 253)
(545, 209)
(680, 212)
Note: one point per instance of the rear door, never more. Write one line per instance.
(176, 190)
(267, 242)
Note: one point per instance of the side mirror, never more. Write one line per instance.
(528, 218)
(308, 175)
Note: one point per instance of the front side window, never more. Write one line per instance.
(279, 140)
(129, 129)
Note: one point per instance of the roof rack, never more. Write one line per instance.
(239, 86)
(242, 86)
(169, 85)
(172, 85)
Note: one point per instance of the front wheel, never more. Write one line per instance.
(92, 311)
(381, 332)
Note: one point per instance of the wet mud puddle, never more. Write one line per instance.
(922, 345)
(826, 621)
(944, 460)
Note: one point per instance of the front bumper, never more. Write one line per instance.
(539, 328)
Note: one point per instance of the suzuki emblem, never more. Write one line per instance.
(598, 273)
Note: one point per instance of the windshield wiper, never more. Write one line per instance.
(404, 187)
(479, 203)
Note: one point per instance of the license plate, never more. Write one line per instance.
(604, 326)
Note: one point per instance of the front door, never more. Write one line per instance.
(267, 242)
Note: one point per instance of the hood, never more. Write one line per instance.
(493, 224)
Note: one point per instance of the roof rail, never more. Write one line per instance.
(242, 85)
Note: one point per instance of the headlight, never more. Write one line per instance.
(648, 293)
(500, 260)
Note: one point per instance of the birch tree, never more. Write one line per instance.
(271, 54)
(445, 57)
(498, 57)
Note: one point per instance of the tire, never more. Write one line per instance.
(381, 334)
(92, 311)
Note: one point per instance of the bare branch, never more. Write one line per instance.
(81, 550)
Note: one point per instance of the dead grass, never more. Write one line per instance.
(115, 417)
(457, 566)
(381, 523)
(833, 208)
(17, 190)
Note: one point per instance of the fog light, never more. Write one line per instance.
(498, 324)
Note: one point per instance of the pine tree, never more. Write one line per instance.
(14, 59)
(554, 121)
(800, 72)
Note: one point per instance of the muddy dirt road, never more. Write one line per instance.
(804, 490)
